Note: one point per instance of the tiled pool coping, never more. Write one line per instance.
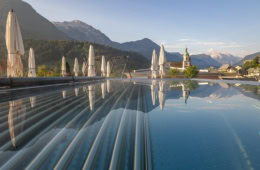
(22, 82)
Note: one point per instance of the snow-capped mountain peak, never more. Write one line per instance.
(224, 58)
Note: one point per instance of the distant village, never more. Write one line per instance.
(249, 70)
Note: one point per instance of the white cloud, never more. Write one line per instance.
(186, 40)
(161, 42)
(205, 46)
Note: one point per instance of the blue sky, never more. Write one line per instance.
(231, 26)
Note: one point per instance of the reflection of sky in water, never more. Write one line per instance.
(125, 125)
(208, 132)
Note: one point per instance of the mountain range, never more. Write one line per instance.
(83, 32)
(248, 57)
(224, 58)
(36, 27)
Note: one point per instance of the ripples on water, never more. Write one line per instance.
(131, 125)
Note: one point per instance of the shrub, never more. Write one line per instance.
(191, 72)
(42, 71)
(251, 64)
(174, 73)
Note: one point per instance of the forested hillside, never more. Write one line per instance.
(50, 52)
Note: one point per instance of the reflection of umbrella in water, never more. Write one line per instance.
(33, 101)
(103, 89)
(15, 47)
(108, 86)
(91, 95)
(64, 94)
(84, 88)
(16, 116)
(154, 91)
(161, 95)
(76, 91)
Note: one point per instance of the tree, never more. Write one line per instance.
(68, 68)
(251, 64)
(3, 67)
(174, 73)
(191, 72)
(42, 71)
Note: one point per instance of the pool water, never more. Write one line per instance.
(138, 124)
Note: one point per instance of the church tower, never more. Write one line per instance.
(186, 59)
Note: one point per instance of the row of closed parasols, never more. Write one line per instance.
(105, 66)
(158, 66)
(15, 48)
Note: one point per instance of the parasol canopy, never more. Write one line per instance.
(91, 62)
(103, 67)
(31, 64)
(76, 68)
(154, 66)
(84, 68)
(108, 69)
(15, 47)
(162, 61)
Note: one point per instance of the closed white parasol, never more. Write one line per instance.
(108, 69)
(63, 67)
(84, 68)
(91, 62)
(76, 68)
(103, 66)
(154, 67)
(162, 61)
(31, 64)
(15, 47)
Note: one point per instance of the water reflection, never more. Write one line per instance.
(91, 95)
(76, 92)
(84, 88)
(108, 86)
(64, 94)
(103, 89)
(140, 125)
(154, 91)
(33, 101)
(162, 94)
(16, 119)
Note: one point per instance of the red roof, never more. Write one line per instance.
(176, 64)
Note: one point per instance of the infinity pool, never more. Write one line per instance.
(141, 124)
